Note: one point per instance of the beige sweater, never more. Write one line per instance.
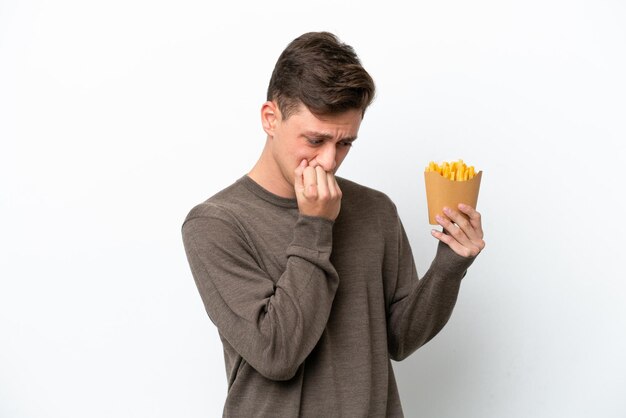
(310, 311)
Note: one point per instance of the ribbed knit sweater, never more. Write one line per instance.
(310, 311)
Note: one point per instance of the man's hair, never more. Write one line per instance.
(321, 72)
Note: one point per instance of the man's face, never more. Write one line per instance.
(321, 140)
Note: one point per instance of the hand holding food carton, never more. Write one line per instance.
(447, 186)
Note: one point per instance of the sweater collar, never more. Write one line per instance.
(266, 195)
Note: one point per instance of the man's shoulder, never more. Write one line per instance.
(220, 205)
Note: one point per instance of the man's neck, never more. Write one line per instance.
(268, 175)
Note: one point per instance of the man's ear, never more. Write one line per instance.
(270, 117)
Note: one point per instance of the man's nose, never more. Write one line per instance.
(326, 157)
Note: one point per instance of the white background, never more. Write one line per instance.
(117, 117)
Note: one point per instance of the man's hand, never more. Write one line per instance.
(463, 234)
(317, 191)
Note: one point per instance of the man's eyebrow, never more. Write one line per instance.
(327, 136)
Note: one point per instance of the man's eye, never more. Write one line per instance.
(315, 141)
(345, 143)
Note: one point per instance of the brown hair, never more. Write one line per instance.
(321, 72)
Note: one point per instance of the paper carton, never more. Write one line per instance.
(441, 192)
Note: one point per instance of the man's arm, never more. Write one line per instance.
(273, 323)
(419, 309)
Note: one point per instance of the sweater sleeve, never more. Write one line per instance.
(272, 322)
(419, 308)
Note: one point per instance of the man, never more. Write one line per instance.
(308, 277)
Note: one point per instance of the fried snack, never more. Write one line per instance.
(455, 171)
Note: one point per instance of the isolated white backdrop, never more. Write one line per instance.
(117, 117)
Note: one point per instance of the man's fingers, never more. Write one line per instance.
(460, 220)
(455, 231)
(455, 245)
(298, 181)
(310, 182)
(464, 222)
(460, 238)
(333, 187)
(322, 183)
(474, 218)
(451, 242)
(321, 195)
(471, 224)
(339, 192)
